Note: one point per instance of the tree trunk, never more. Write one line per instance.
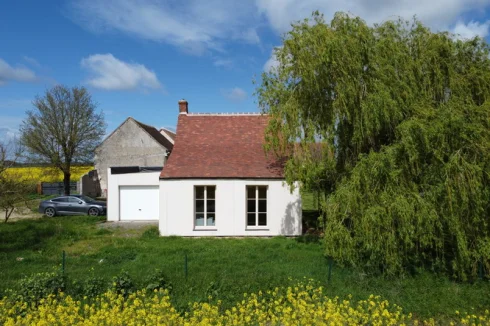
(66, 182)
(8, 212)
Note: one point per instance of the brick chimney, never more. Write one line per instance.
(183, 107)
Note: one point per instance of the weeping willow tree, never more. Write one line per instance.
(391, 123)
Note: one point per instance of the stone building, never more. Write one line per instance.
(132, 144)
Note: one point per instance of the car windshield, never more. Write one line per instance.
(86, 199)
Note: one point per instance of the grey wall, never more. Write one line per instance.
(129, 145)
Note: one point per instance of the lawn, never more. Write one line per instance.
(224, 268)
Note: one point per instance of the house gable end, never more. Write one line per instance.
(128, 145)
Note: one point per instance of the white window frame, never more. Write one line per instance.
(205, 226)
(257, 226)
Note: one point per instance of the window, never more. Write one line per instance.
(60, 200)
(256, 206)
(205, 206)
(73, 200)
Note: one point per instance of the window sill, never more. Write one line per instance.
(205, 228)
(262, 228)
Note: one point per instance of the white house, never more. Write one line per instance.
(220, 182)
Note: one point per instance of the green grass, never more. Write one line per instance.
(223, 267)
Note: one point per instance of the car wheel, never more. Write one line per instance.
(93, 211)
(49, 212)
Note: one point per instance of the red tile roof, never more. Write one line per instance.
(221, 146)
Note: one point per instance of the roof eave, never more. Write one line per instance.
(222, 178)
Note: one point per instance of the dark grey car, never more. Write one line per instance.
(72, 205)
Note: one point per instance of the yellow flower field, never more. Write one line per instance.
(46, 174)
(303, 304)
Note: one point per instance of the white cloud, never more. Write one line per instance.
(7, 133)
(272, 63)
(280, 13)
(471, 29)
(9, 126)
(20, 74)
(195, 26)
(110, 73)
(235, 94)
(198, 26)
(33, 62)
(250, 36)
(227, 63)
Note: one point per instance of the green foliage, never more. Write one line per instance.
(35, 287)
(123, 283)
(158, 280)
(393, 124)
(90, 287)
(214, 288)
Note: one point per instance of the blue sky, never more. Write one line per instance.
(139, 57)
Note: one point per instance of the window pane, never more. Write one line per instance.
(211, 208)
(251, 192)
(251, 206)
(262, 219)
(211, 220)
(199, 192)
(262, 192)
(251, 219)
(61, 200)
(199, 219)
(199, 205)
(262, 205)
(211, 190)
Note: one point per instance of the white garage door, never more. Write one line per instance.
(138, 203)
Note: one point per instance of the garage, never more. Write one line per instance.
(133, 194)
(138, 203)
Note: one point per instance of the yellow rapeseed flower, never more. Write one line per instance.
(283, 306)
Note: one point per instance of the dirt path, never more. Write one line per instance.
(22, 213)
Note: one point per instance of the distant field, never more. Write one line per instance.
(46, 174)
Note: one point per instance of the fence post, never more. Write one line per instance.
(330, 263)
(63, 262)
(185, 265)
(480, 269)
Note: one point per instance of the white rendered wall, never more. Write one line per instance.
(129, 179)
(177, 208)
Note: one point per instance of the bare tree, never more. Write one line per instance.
(13, 190)
(10, 152)
(64, 128)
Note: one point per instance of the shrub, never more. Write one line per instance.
(123, 284)
(35, 287)
(91, 287)
(157, 281)
(213, 289)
